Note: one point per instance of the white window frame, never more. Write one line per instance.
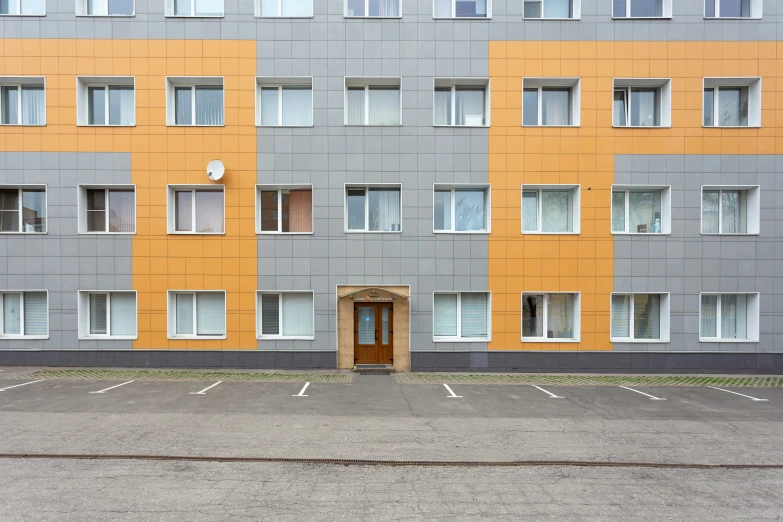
(666, 208)
(84, 83)
(269, 188)
(171, 210)
(19, 82)
(279, 82)
(753, 83)
(280, 336)
(367, 187)
(454, 12)
(665, 319)
(366, 83)
(84, 315)
(458, 339)
(169, 11)
(576, 191)
(575, 84)
(18, 5)
(367, 10)
(576, 9)
(82, 207)
(21, 315)
(257, 10)
(171, 296)
(438, 187)
(577, 318)
(81, 10)
(756, 8)
(454, 83)
(751, 328)
(666, 12)
(174, 82)
(665, 108)
(20, 188)
(753, 210)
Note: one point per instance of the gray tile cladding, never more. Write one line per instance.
(416, 25)
(62, 261)
(686, 262)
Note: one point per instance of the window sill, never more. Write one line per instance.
(641, 234)
(641, 18)
(109, 338)
(284, 338)
(280, 126)
(171, 233)
(27, 15)
(196, 16)
(462, 232)
(462, 126)
(107, 233)
(32, 337)
(99, 126)
(462, 18)
(373, 231)
(637, 341)
(551, 126)
(528, 232)
(714, 340)
(267, 233)
(740, 234)
(22, 124)
(284, 17)
(106, 16)
(542, 19)
(376, 126)
(350, 17)
(196, 337)
(732, 17)
(24, 233)
(191, 126)
(461, 339)
(547, 340)
(718, 127)
(652, 127)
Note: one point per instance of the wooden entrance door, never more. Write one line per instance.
(372, 333)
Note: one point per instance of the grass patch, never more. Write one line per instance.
(185, 375)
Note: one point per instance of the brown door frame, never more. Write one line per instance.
(383, 353)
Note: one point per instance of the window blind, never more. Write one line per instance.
(98, 311)
(474, 314)
(12, 314)
(297, 314)
(184, 312)
(621, 316)
(445, 315)
(384, 105)
(183, 101)
(210, 313)
(355, 100)
(555, 106)
(442, 107)
(122, 211)
(36, 314)
(270, 314)
(209, 105)
(123, 313)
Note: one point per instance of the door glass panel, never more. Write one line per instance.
(384, 326)
(366, 325)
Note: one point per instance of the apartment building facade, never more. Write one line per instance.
(451, 185)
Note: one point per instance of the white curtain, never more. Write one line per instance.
(618, 109)
(297, 105)
(532, 315)
(709, 315)
(36, 313)
(269, 106)
(9, 105)
(184, 320)
(384, 209)
(557, 8)
(621, 316)
(270, 314)
(733, 316)
(12, 314)
(121, 110)
(209, 211)
(98, 311)
(560, 316)
(269, 7)
(530, 210)
(443, 8)
(210, 313)
(644, 107)
(123, 313)
(473, 314)
(297, 8)
(445, 315)
(33, 105)
(556, 106)
(355, 100)
(647, 316)
(298, 314)
(469, 211)
(442, 210)
(209, 105)
(384, 105)
(183, 106)
(710, 212)
(556, 211)
(733, 219)
(442, 107)
(209, 7)
(644, 209)
(384, 8)
(469, 106)
(122, 211)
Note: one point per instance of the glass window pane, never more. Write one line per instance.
(644, 107)
(355, 105)
(33, 105)
(385, 325)
(557, 9)
(122, 211)
(532, 9)
(474, 315)
(121, 109)
(618, 108)
(356, 209)
(355, 7)
(366, 328)
(555, 106)
(36, 313)
(285, 211)
(709, 8)
(729, 106)
(33, 7)
(469, 106)
(560, 316)
(297, 105)
(470, 8)
(710, 212)
(9, 105)
(530, 107)
(182, 7)
(297, 8)
(734, 8)
(209, 7)
(96, 210)
(709, 107)
(443, 8)
(383, 212)
(210, 313)
(12, 314)
(733, 220)
(445, 315)
(556, 211)
(209, 211)
(646, 8)
(98, 314)
(298, 315)
(183, 106)
(9, 210)
(384, 7)
(384, 105)
(270, 314)
(269, 210)
(269, 8)
(184, 312)
(120, 7)
(269, 106)
(647, 316)
(709, 315)
(618, 8)
(733, 316)
(621, 316)
(33, 211)
(209, 105)
(644, 212)
(96, 199)
(442, 215)
(469, 212)
(618, 211)
(530, 210)
(442, 106)
(532, 315)
(8, 7)
(123, 313)
(183, 206)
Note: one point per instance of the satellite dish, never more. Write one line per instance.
(215, 170)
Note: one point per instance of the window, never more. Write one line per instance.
(107, 314)
(284, 209)
(105, 101)
(372, 101)
(732, 102)
(197, 315)
(373, 209)
(196, 209)
(550, 317)
(729, 317)
(285, 315)
(195, 8)
(107, 209)
(23, 209)
(550, 209)
(373, 8)
(461, 102)
(284, 8)
(195, 101)
(105, 7)
(22, 100)
(284, 102)
(23, 7)
(730, 210)
(550, 101)
(640, 317)
(641, 210)
(641, 102)
(25, 314)
(462, 8)
(641, 8)
(732, 8)
(461, 317)
(553, 9)
(461, 208)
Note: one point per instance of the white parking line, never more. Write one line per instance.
(453, 395)
(112, 387)
(18, 385)
(202, 392)
(551, 395)
(652, 397)
(301, 392)
(740, 394)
